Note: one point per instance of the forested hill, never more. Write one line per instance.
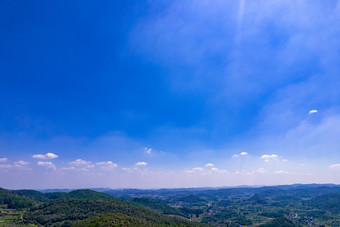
(32, 194)
(14, 201)
(329, 201)
(280, 222)
(67, 211)
(87, 194)
(159, 206)
(89, 207)
(76, 194)
(112, 220)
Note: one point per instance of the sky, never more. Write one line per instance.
(169, 94)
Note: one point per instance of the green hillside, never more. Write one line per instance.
(257, 199)
(280, 222)
(76, 194)
(123, 220)
(14, 201)
(55, 195)
(65, 211)
(329, 202)
(32, 194)
(158, 206)
(87, 194)
(112, 220)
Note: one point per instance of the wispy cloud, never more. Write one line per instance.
(240, 15)
(268, 157)
(243, 153)
(45, 156)
(88, 167)
(141, 164)
(335, 166)
(49, 165)
(280, 172)
(109, 165)
(21, 163)
(80, 162)
(209, 165)
(3, 159)
(148, 150)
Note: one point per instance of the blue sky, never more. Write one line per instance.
(151, 94)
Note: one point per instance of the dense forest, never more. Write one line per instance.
(291, 205)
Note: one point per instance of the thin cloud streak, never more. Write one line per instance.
(312, 111)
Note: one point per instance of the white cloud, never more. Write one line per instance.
(201, 170)
(141, 164)
(3, 159)
(49, 165)
(88, 167)
(284, 160)
(334, 166)
(280, 172)
(312, 111)
(83, 165)
(109, 165)
(209, 165)
(148, 150)
(104, 163)
(267, 156)
(21, 163)
(80, 162)
(5, 166)
(45, 156)
(242, 153)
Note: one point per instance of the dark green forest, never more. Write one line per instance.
(288, 205)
